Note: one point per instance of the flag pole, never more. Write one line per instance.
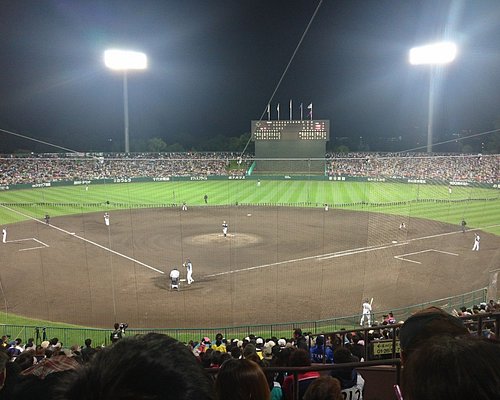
(278, 109)
(268, 112)
(290, 109)
(301, 111)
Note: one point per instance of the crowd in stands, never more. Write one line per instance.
(442, 359)
(50, 167)
(463, 168)
(42, 168)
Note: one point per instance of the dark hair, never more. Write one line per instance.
(241, 380)
(151, 366)
(458, 368)
(300, 358)
(427, 323)
(324, 388)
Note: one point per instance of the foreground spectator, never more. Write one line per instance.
(299, 358)
(151, 366)
(458, 368)
(351, 382)
(324, 388)
(241, 380)
(425, 324)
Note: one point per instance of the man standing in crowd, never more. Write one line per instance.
(117, 334)
(476, 242)
(106, 219)
(224, 228)
(366, 317)
(189, 271)
(4, 235)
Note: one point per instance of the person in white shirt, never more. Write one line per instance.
(366, 317)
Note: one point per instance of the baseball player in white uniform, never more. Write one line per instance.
(4, 235)
(106, 219)
(189, 271)
(476, 242)
(366, 316)
(184, 207)
(224, 228)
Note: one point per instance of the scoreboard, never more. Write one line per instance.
(291, 130)
(296, 141)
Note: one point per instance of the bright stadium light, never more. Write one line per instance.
(432, 55)
(437, 53)
(122, 60)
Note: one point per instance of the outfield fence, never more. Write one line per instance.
(69, 336)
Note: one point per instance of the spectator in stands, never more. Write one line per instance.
(425, 324)
(299, 339)
(43, 380)
(241, 380)
(357, 347)
(219, 345)
(351, 382)
(324, 388)
(299, 358)
(151, 366)
(458, 368)
(88, 351)
(4, 359)
(321, 354)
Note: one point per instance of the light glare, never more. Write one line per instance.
(438, 53)
(125, 60)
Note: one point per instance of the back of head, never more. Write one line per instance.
(241, 380)
(425, 324)
(458, 368)
(324, 388)
(300, 358)
(151, 366)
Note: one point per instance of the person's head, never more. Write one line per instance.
(458, 368)
(324, 388)
(300, 358)
(88, 342)
(151, 366)
(425, 324)
(241, 380)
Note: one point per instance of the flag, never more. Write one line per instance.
(290, 109)
(310, 108)
(268, 112)
(278, 109)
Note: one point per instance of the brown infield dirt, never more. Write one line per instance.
(276, 265)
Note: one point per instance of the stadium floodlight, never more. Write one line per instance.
(434, 55)
(124, 60)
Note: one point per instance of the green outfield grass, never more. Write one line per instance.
(480, 207)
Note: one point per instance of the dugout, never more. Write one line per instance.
(292, 147)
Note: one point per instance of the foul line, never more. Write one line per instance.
(342, 253)
(401, 257)
(86, 240)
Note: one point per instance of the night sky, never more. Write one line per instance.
(214, 64)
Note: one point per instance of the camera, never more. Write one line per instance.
(123, 326)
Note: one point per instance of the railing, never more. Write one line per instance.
(70, 336)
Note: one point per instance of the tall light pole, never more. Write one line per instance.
(124, 60)
(433, 55)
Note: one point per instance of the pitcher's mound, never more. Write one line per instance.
(235, 239)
